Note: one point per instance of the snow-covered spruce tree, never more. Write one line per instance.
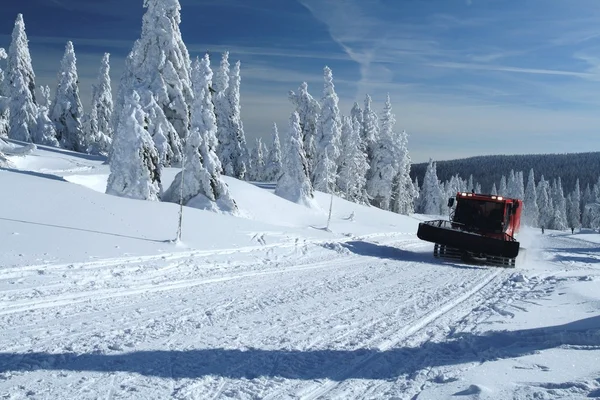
(67, 112)
(403, 199)
(21, 86)
(294, 183)
(357, 113)
(99, 126)
(232, 149)
(273, 162)
(203, 184)
(370, 131)
(45, 132)
(4, 108)
(352, 177)
(308, 110)
(494, 190)
(431, 191)
(560, 206)
(503, 190)
(19, 58)
(257, 170)
(327, 144)
(159, 63)
(45, 100)
(574, 217)
(385, 164)
(545, 205)
(135, 169)
(236, 125)
(531, 214)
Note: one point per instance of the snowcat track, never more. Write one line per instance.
(442, 251)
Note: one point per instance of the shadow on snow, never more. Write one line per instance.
(370, 249)
(336, 365)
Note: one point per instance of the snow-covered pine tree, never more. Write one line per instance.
(257, 171)
(205, 169)
(470, 184)
(531, 214)
(67, 112)
(545, 205)
(494, 190)
(353, 163)
(404, 193)
(370, 131)
(159, 63)
(575, 211)
(385, 164)
(273, 163)
(503, 190)
(308, 110)
(45, 100)
(236, 125)
(294, 183)
(45, 132)
(357, 113)
(329, 131)
(560, 206)
(99, 127)
(431, 192)
(19, 58)
(22, 122)
(4, 108)
(232, 149)
(21, 86)
(135, 169)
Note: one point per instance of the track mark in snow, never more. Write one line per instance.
(319, 390)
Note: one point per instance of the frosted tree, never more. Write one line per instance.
(232, 148)
(560, 206)
(574, 217)
(431, 193)
(159, 63)
(236, 125)
(19, 58)
(327, 142)
(545, 205)
(403, 202)
(357, 113)
(352, 177)
(503, 190)
(308, 110)
(99, 127)
(531, 215)
(21, 86)
(4, 108)
(385, 164)
(22, 121)
(67, 112)
(370, 131)
(257, 171)
(45, 98)
(135, 169)
(273, 163)
(294, 183)
(470, 184)
(203, 184)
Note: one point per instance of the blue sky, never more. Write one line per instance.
(466, 77)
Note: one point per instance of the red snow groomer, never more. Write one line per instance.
(481, 228)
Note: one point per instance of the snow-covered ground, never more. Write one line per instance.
(96, 301)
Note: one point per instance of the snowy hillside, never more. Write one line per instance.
(98, 302)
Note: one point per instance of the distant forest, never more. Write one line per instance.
(488, 170)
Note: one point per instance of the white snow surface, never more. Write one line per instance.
(97, 301)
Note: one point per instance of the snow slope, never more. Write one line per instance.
(98, 302)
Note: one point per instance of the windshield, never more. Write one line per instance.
(480, 214)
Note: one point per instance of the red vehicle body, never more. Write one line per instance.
(482, 227)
